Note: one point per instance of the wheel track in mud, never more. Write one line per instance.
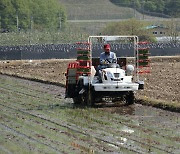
(22, 93)
(72, 129)
(31, 90)
(68, 126)
(80, 132)
(65, 126)
(85, 134)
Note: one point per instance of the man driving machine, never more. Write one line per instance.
(107, 56)
(106, 59)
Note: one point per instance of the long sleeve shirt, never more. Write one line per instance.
(111, 57)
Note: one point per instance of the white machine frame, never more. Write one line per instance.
(111, 82)
(112, 37)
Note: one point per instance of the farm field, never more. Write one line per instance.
(35, 118)
(161, 85)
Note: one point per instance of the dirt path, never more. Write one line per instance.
(35, 117)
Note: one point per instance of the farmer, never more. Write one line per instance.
(107, 56)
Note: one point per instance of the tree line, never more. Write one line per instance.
(136, 27)
(168, 7)
(17, 15)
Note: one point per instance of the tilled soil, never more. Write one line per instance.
(35, 118)
(163, 83)
(164, 80)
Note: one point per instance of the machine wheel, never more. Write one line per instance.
(77, 100)
(80, 99)
(84, 99)
(130, 98)
(90, 99)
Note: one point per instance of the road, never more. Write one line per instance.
(116, 20)
(35, 118)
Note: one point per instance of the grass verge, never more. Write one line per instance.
(162, 104)
(34, 79)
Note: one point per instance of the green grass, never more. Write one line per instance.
(64, 124)
(166, 105)
(20, 137)
(46, 37)
(33, 99)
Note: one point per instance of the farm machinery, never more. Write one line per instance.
(86, 84)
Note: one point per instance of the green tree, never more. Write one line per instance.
(160, 6)
(174, 8)
(47, 14)
(129, 27)
(8, 15)
(150, 6)
(22, 14)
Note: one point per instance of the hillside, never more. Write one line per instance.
(118, 9)
(90, 16)
(97, 10)
(161, 8)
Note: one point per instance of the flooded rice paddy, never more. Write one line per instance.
(35, 118)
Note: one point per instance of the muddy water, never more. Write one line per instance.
(153, 122)
(108, 128)
(146, 124)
